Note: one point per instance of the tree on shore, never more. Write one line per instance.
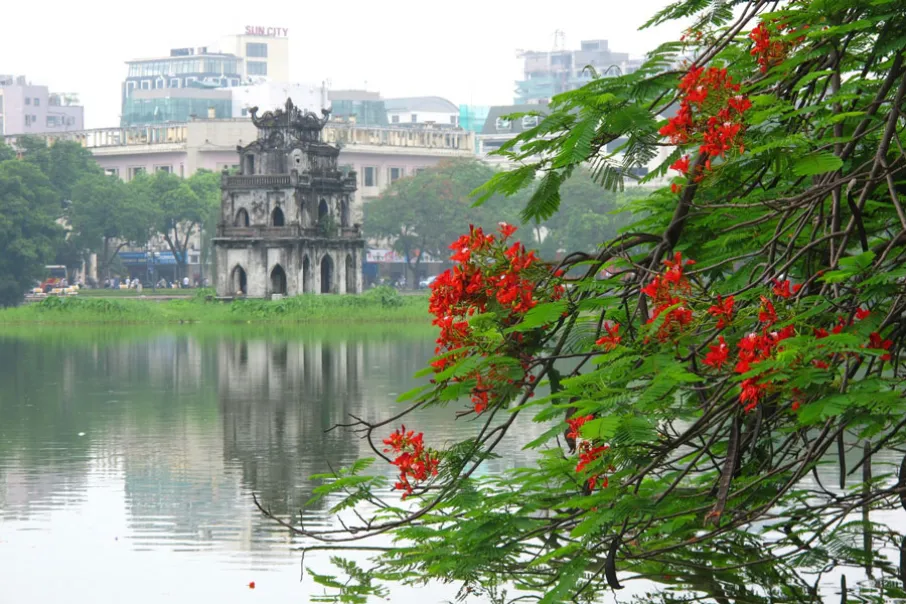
(106, 215)
(421, 214)
(713, 426)
(180, 207)
(29, 233)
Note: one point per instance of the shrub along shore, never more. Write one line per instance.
(379, 305)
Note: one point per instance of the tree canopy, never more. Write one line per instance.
(716, 407)
(29, 232)
(424, 213)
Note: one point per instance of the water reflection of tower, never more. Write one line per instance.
(278, 398)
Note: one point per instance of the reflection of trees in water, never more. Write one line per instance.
(278, 400)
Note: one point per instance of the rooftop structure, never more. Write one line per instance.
(422, 110)
(286, 226)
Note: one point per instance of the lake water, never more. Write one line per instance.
(128, 458)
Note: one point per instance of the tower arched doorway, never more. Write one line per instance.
(277, 218)
(278, 280)
(326, 274)
(306, 275)
(238, 282)
(242, 218)
(350, 274)
(323, 211)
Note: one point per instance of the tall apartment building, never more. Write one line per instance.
(264, 52)
(549, 73)
(26, 108)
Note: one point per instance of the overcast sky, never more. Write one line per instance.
(464, 51)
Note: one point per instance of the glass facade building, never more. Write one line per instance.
(184, 69)
(157, 111)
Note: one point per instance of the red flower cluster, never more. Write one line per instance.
(768, 50)
(711, 106)
(710, 112)
(612, 339)
(717, 355)
(588, 454)
(575, 424)
(667, 291)
(490, 275)
(752, 349)
(415, 462)
(723, 310)
(782, 288)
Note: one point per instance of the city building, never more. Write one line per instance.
(263, 51)
(361, 107)
(432, 110)
(286, 226)
(189, 82)
(26, 108)
(499, 128)
(549, 73)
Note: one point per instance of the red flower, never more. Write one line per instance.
(717, 354)
(820, 333)
(723, 310)
(782, 288)
(861, 313)
(575, 424)
(610, 341)
(875, 342)
(767, 315)
(588, 455)
(251, 585)
(681, 165)
(505, 229)
(414, 461)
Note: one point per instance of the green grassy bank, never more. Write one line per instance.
(131, 293)
(379, 305)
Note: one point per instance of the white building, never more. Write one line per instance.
(26, 108)
(264, 51)
(432, 110)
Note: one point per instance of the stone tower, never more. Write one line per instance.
(285, 218)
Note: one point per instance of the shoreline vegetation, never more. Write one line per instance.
(378, 305)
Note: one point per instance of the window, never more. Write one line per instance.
(112, 171)
(369, 175)
(159, 83)
(53, 121)
(395, 174)
(174, 82)
(256, 49)
(414, 118)
(28, 100)
(146, 84)
(135, 171)
(130, 86)
(244, 112)
(529, 121)
(502, 124)
(166, 169)
(395, 119)
(419, 170)
(453, 119)
(234, 82)
(37, 102)
(257, 68)
(191, 80)
(27, 121)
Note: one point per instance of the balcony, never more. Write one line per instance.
(292, 231)
(255, 181)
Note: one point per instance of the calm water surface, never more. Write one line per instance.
(128, 460)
